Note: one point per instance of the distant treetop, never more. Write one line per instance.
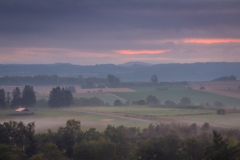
(226, 78)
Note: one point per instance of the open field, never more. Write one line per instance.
(144, 115)
(129, 116)
(227, 88)
(54, 118)
(175, 93)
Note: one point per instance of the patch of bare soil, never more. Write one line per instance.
(229, 88)
(107, 120)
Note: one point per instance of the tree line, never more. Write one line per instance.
(90, 82)
(156, 142)
(111, 81)
(58, 97)
(26, 98)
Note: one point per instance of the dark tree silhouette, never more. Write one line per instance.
(151, 100)
(2, 98)
(28, 96)
(60, 97)
(113, 81)
(154, 79)
(16, 98)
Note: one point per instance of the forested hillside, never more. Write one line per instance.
(132, 72)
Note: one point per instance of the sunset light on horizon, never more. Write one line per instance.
(97, 32)
(141, 51)
(209, 41)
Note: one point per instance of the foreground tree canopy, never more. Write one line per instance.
(156, 142)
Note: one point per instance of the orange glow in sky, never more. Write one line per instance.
(141, 51)
(209, 41)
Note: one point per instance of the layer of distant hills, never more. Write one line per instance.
(131, 71)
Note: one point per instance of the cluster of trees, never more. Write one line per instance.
(26, 98)
(153, 100)
(163, 141)
(154, 79)
(48, 80)
(226, 78)
(60, 97)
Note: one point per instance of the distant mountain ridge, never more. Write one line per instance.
(136, 64)
(133, 71)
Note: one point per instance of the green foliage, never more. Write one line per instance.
(2, 98)
(154, 79)
(162, 141)
(102, 149)
(152, 100)
(113, 81)
(205, 127)
(48, 80)
(118, 103)
(92, 135)
(16, 98)
(220, 149)
(185, 101)
(226, 78)
(10, 152)
(158, 148)
(88, 102)
(52, 152)
(18, 134)
(190, 148)
(28, 96)
(59, 97)
(68, 135)
(72, 89)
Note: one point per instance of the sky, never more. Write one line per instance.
(89, 32)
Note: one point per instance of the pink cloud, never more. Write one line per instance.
(210, 41)
(141, 51)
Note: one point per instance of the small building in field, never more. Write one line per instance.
(25, 111)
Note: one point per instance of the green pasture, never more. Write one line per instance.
(145, 110)
(54, 118)
(175, 93)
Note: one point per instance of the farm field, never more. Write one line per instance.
(175, 93)
(227, 88)
(129, 116)
(54, 118)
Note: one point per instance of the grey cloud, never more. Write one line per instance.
(113, 24)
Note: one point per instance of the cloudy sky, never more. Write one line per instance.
(89, 32)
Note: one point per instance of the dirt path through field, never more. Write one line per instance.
(118, 97)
